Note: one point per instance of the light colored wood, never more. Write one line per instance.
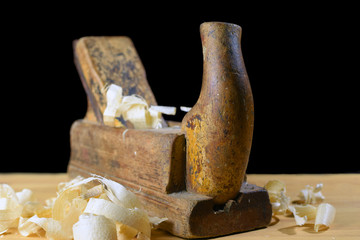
(340, 190)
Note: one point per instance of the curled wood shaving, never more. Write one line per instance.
(325, 216)
(94, 227)
(114, 97)
(132, 217)
(311, 195)
(303, 213)
(277, 194)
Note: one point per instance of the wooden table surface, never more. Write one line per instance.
(340, 190)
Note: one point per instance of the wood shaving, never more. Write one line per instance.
(163, 109)
(277, 194)
(311, 195)
(325, 215)
(303, 213)
(185, 109)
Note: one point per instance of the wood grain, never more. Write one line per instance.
(152, 164)
(219, 127)
(340, 190)
(106, 60)
(146, 158)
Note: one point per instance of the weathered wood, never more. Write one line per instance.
(219, 127)
(148, 158)
(192, 215)
(102, 61)
(90, 114)
(154, 169)
(196, 182)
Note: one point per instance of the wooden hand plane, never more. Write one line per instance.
(191, 172)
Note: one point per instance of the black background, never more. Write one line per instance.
(301, 61)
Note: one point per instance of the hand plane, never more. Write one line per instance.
(193, 172)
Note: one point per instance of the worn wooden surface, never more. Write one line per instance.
(153, 161)
(340, 190)
(219, 127)
(192, 215)
(142, 159)
(102, 61)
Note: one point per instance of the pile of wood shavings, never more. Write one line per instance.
(85, 208)
(132, 109)
(308, 208)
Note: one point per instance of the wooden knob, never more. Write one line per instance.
(219, 128)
